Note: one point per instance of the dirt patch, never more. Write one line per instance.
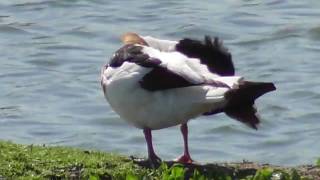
(242, 170)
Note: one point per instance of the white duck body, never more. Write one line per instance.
(164, 108)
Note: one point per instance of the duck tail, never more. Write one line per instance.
(240, 104)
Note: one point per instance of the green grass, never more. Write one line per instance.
(39, 162)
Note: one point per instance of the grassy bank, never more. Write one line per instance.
(39, 162)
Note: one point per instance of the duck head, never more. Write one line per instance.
(133, 38)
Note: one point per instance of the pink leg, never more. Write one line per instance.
(185, 158)
(151, 154)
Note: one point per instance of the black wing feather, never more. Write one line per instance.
(161, 78)
(211, 53)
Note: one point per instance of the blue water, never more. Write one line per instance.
(52, 51)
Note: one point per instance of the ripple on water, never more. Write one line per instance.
(314, 33)
(8, 29)
(276, 108)
(31, 3)
(230, 129)
(63, 47)
(303, 94)
(45, 61)
(276, 2)
(195, 31)
(10, 112)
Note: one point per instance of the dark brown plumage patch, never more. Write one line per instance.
(132, 53)
(161, 78)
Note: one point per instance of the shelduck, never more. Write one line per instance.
(155, 84)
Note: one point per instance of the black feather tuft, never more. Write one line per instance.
(211, 53)
(241, 101)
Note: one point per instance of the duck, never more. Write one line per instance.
(154, 84)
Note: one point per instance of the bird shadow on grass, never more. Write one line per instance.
(208, 170)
